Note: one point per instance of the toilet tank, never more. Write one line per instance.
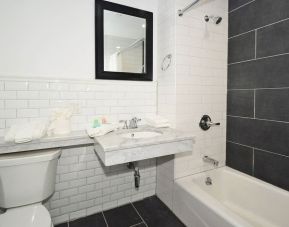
(27, 177)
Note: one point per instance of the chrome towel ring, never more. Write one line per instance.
(166, 62)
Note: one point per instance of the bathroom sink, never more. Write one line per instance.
(146, 142)
(140, 135)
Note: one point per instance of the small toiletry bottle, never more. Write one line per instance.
(96, 123)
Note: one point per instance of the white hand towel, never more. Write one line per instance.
(158, 122)
(100, 131)
(26, 132)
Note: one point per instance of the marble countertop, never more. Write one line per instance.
(109, 142)
(114, 141)
(73, 139)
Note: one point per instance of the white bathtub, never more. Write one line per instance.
(233, 200)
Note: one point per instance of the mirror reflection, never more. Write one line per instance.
(124, 43)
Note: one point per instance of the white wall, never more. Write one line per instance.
(47, 61)
(52, 39)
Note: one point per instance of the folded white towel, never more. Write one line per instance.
(100, 131)
(26, 132)
(158, 122)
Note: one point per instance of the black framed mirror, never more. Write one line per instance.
(124, 42)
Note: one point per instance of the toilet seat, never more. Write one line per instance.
(27, 216)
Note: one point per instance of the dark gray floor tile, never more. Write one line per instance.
(265, 135)
(273, 40)
(241, 48)
(62, 225)
(233, 4)
(272, 168)
(256, 15)
(240, 103)
(96, 220)
(263, 73)
(272, 104)
(124, 216)
(157, 214)
(240, 158)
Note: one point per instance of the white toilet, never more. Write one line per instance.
(27, 179)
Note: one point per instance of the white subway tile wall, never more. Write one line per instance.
(84, 186)
(194, 85)
(201, 58)
(25, 100)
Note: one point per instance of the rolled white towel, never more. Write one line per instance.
(100, 131)
(26, 132)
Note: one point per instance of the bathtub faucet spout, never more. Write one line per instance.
(211, 160)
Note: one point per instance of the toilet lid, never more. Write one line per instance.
(26, 216)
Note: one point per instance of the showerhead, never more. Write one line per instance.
(214, 19)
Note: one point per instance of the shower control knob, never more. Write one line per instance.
(206, 123)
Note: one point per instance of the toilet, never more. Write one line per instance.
(26, 180)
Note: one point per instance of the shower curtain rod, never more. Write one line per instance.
(182, 11)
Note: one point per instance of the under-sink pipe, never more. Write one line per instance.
(132, 166)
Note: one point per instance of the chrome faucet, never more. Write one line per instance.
(211, 160)
(133, 122)
(124, 124)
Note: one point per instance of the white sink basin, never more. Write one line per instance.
(140, 135)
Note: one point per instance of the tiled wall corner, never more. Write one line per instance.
(166, 93)
(165, 180)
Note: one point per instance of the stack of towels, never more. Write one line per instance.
(100, 131)
(99, 127)
(158, 122)
(26, 132)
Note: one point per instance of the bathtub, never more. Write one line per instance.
(233, 200)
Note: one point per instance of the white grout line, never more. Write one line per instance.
(271, 56)
(139, 215)
(259, 119)
(241, 6)
(258, 28)
(253, 164)
(266, 88)
(255, 44)
(243, 33)
(104, 219)
(240, 144)
(254, 103)
(256, 148)
(136, 224)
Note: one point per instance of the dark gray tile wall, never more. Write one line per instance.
(242, 47)
(237, 3)
(258, 89)
(241, 103)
